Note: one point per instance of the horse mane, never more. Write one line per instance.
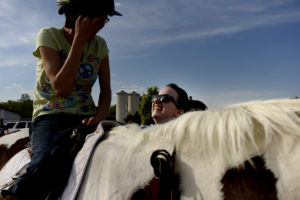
(233, 134)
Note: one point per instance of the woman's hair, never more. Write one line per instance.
(71, 19)
(184, 102)
(196, 105)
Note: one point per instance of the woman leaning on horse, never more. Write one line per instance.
(70, 59)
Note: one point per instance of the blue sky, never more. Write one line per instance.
(221, 52)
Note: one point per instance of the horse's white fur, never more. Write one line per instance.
(206, 144)
(10, 139)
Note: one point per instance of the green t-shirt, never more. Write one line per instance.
(80, 100)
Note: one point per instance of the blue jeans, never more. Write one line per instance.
(47, 134)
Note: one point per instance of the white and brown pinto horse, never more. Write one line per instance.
(244, 151)
(208, 145)
(11, 144)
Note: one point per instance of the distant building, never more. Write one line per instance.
(7, 115)
(133, 102)
(126, 103)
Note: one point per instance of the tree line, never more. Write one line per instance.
(24, 107)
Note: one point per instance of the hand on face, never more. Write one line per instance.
(87, 27)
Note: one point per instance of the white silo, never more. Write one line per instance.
(121, 106)
(133, 102)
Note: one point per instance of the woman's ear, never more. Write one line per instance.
(179, 112)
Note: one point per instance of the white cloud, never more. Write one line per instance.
(20, 21)
(221, 99)
(16, 61)
(143, 23)
(117, 4)
(240, 26)
(14, 92)
(167, 21)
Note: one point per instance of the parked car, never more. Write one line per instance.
(14, 126)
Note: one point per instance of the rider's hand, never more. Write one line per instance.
(92, 121)
(86, 28)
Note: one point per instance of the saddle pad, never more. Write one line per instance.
(82, 159)
(13, 166)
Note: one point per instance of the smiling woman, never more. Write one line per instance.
(171, 102)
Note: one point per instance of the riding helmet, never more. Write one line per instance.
(88, 7)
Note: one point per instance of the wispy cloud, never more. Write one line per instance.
(20, 22)
(227, 98)
(9, 92)
(12, 60)
(231, 29)
(144, 24)
(156, 22)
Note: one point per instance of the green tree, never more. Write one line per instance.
(23, 106)
(136, 118)
(112, 113)
(144, 109)
(24, 97)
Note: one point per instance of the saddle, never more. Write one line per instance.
(7, 186)
(63, 155)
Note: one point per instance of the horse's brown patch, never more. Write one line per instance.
(156, 190)
(6, 154)
(165, 186)
(248, 182)
(150, 192)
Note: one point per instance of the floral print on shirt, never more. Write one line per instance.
(85, 78)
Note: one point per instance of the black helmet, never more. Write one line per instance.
(88, 7)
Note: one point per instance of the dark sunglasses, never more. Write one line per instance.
(164, 98)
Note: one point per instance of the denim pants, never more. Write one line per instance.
(47, 133)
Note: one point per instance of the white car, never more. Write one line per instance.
(14, 126)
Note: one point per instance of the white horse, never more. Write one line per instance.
(11, 144)
(207, 145)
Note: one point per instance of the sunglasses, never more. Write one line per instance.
(163, 98)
